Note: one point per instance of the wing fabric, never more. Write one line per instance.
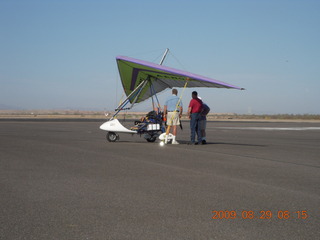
(133, 72)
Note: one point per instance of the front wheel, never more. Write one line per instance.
(112, 137)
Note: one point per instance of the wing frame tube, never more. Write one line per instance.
(135, 93)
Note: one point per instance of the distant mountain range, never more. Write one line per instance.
(12, 108)
(8, 107)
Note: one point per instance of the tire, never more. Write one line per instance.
(112, 137)
(151, 138)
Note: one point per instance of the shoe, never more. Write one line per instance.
(174, 140)
(204, 142)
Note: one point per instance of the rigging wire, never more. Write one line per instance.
(156, 59)
(159, 106)
(139, 54)
(120, 102)
(116, 91)
(177, 60)
(154, 95)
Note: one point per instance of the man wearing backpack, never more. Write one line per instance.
(194, 111)
(203, 121)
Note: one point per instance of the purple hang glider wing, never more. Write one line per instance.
(133, 72)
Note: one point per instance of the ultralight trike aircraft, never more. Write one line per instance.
(142, 80)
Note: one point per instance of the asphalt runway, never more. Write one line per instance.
(63, 180)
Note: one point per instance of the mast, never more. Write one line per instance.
(164, 56)
(161, 61)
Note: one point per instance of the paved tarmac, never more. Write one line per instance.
(63, 180)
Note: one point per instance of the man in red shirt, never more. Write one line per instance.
(194, 110)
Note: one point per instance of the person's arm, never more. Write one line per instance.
(190, 109)
(189, 112)
(202, 113)
(180, 113)
(157, 109)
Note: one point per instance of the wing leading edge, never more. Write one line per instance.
(133, 72)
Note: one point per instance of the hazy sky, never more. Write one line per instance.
(61, 54)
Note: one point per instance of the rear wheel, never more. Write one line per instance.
(150, 138)
(112, 137)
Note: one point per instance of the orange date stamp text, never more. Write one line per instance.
(263, 214)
